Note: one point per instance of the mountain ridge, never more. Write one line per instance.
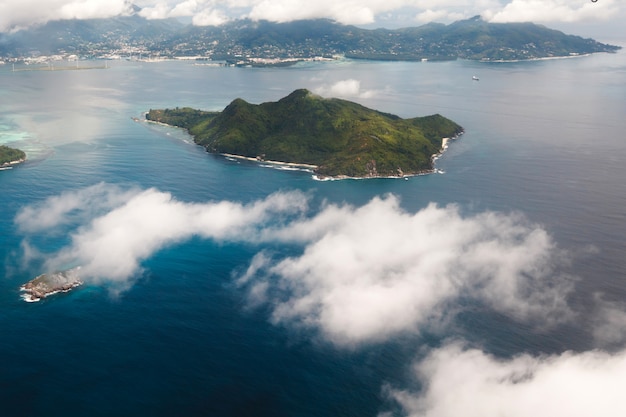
(240, 40)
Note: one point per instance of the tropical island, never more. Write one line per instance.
(333, 137)
(10, 156)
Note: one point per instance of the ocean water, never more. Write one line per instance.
(544, 139)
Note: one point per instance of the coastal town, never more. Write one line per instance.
(250, 43)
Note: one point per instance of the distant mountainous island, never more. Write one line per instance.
(246, 42)
(334, 137)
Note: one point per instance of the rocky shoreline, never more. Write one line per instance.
(47, 284)
(308, 167)
(11, 164)
(316, 176)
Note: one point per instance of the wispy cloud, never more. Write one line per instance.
(19, 14)
(116, 229)
(609, 323)
(349, 88)
(72, 206)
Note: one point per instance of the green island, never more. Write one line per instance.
(10, 156)
(333, 137)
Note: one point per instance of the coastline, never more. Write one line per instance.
(306, 167)
(317, 177)
(544, 58)
(11, 164)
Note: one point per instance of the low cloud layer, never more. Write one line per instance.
(20, 14)
(16, 14)
(372, 272)
(117, 229)
(364, 274)
(609, 323)
(369, 11)
(471, 383)
(552, 11)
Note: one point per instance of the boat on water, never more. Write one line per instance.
(475, 78)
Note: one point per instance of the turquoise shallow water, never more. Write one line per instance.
(542, 138)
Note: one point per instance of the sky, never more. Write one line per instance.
(358, 282)
(600, 18)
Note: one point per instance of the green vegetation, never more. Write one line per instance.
(240, 40)
(339, 136)
(8, 155)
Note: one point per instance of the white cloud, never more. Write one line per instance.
(609, 323)
(71, 206)
(470, 383)
(349, 88)
(110, 246)
(89, 9)
(439, 15)
(202, 12)
(166, 9)
(552, 11)
(368, 11)
(365, 274)
(369, 273)
(15, 14)
(208, 17)
(347, 11)
(18, 14)
(160, 10)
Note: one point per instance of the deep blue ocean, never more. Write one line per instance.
(544, 139)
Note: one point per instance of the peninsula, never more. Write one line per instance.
(10, 156)
(47, 284)
(334, 137)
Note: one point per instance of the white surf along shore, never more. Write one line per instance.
(49, 284)
(11, 164)
(311, 168)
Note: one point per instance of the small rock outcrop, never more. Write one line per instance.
(48, 284)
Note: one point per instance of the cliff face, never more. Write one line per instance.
(341, 137)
